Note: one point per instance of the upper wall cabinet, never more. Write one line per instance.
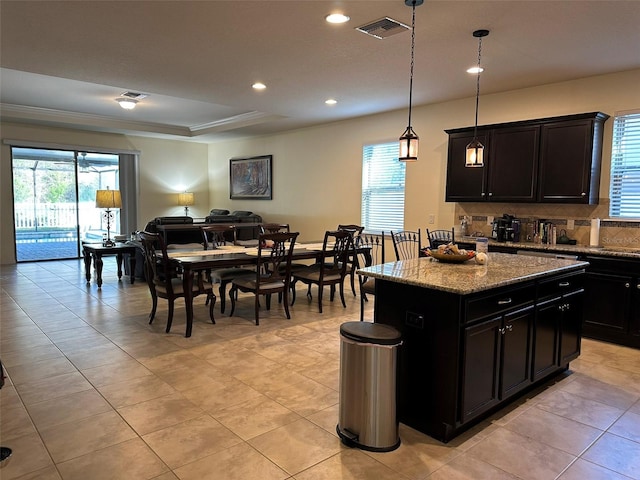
(550, 160)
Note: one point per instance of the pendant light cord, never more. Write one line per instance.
(413, 41)
(475, 129)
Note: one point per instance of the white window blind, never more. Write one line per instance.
(625, 166)
(383, 181)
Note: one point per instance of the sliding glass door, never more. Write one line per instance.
(54, 200)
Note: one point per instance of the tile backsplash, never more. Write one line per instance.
(612, 232)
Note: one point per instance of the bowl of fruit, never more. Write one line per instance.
(450, 253)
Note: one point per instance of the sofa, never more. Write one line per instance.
(238, 217)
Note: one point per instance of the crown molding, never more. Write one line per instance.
(47, 116)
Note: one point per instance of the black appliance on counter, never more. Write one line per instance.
(506, 229)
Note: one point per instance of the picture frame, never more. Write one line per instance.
(251, 178)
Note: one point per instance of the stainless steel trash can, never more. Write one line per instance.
(368, 358)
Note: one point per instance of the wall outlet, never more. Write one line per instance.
(489, 220)
(570, 224)
(432, 218)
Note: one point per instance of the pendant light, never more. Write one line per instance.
(409, 139)
(475, 150)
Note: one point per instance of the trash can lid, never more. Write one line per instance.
(367, 332)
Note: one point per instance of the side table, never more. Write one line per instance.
(97, 251)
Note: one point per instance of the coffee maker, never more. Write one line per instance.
(506, 229)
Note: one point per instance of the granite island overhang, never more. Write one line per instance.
(476, 337)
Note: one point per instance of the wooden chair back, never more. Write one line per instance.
(274, 228)
(273, 271)
(157, 269)
(215, 235)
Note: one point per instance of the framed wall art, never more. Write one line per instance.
(250, 178)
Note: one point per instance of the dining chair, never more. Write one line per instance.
(406, 244)
(216, 235)
(440, 237)
(270, 277)
(281, 227)
(163, 279)
(337, 252)
(274, 227)
(374, 243)
(356, 231)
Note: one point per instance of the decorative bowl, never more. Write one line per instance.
(450, 257)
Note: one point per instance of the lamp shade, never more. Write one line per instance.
(475, 154)
(108, 199)
(185, 199)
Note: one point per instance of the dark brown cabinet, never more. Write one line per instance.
(558, 326)
(551, 160)
(465, 184)
(612, 303)
(513, 164)
(496, 360)
(570, 155)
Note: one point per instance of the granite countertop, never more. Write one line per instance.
(606, 251)
(465, 278)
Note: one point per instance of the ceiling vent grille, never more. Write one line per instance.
(134, 95)
(383, 28)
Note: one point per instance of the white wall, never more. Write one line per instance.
(317, 171)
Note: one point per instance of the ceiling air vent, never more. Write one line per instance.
(383, 28)
(134, 95)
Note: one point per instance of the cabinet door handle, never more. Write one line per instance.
(506, 301)
(482, 194)
(491, 194)
(627, 285)
(561, 308)
(567, 306)
(564, 284)
(501, 330)
(509, 328)
(583, 194)
(638, 286)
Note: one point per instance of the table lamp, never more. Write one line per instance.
(108, 199)
(185, 199)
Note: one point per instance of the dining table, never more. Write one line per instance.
(190, 261)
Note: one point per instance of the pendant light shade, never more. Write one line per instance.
(475, 154)
(408, 146)
(409, 139)
(475, 149)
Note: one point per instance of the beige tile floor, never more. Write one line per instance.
(96, 393)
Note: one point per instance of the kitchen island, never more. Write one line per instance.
(475, 336)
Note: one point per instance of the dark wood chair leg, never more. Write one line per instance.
(154, 306)
(320, 298)
(211, 300)
(221, 292)
(233, 300)
(170, 316)
(285, 302)
(257, 309)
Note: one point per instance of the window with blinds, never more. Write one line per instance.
(624, 192)
(382, 188)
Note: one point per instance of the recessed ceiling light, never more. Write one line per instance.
(258, 86)
(331, 101)
(127, 103)
(337, 18)
(475, 70)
